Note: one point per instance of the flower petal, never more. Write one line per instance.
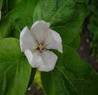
(39, 30)
(49, 61)
(27, 41)
(54, 41)
(34, 58)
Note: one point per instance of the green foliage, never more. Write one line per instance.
(14, 68)
(94, 28)
(71, 76)
(17, 17)
(65, 16)
(1, 1)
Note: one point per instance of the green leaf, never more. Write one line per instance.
(93, 19)
(71, 76)
(93, 27)
(14, 68)
(1, 1)
(65, 16)
(18, 16)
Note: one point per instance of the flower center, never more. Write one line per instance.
(40, 47)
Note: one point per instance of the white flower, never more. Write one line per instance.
(36, 44)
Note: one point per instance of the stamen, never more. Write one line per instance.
(40, 47)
